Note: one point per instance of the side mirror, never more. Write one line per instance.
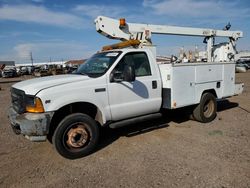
(116, 76)
(129, 73)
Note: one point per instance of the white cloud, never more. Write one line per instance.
(41, 15)
(22, 51)
(43, 51)
(198, 9)
(96, 10)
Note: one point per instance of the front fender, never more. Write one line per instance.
(105, 113)
(57, 97)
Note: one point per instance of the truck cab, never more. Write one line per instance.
(111, 86)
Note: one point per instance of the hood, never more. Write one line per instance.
(33, 86)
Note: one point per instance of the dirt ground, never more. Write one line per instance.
(169, 152)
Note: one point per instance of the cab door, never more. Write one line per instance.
(131, 99)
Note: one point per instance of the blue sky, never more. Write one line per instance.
(64, 29)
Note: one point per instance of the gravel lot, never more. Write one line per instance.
(169, 152)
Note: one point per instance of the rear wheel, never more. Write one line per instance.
(206, 111)
(76, 136)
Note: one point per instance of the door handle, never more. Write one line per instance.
(154, 84)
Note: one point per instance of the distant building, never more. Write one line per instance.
(7, 63)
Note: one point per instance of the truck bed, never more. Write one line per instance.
(184, 83)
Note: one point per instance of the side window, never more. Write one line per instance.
(138, 60)
(126, 60)
(141, 63)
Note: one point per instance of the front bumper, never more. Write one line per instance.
(35, 126)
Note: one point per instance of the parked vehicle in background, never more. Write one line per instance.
(57, 69)
(241, 66)
(23, 70)
(247, 62)
(37, 71)
(70, 69)
(31, 69)
(45, 72)
(243, 63)
(9, 72)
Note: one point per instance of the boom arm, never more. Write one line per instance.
(116, 29)
(111, 28)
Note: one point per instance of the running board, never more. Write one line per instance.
(127, 122)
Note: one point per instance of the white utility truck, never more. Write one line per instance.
(123, 83)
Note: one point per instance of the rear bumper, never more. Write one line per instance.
(35, 126)
(238, 88)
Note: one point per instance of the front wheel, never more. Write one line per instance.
(76, 136)
(206, 111)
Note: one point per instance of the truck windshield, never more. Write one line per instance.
(98, 64)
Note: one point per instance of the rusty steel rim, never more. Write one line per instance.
(208, 109)
(77, 136)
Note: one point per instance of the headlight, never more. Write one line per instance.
(34, 104)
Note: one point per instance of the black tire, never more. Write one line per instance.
(206, 111)
(76, 136)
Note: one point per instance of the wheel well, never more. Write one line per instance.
(82, 107)
(212, 91)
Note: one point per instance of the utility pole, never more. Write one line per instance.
(31, 58)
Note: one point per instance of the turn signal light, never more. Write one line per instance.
(37, 108)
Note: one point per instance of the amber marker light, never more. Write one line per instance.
(122, 22)
(37, 107)
(174, 104)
